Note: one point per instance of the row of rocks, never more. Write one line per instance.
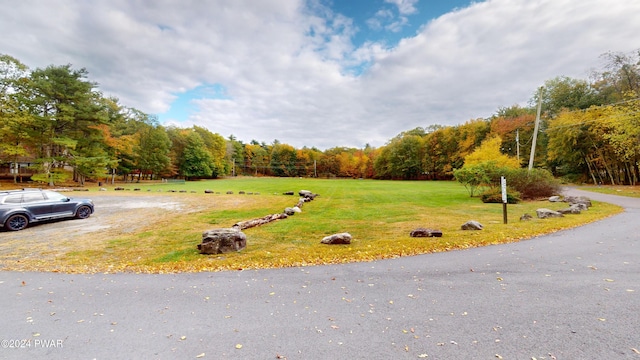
(426, 232)
(223, 240)
(208, 191)
(577, 204)
(218, 241)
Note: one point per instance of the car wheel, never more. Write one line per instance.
(83, 212)
(16, 222)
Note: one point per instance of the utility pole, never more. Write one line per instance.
(535, 129)
(518, 144)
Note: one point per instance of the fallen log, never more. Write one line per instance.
(260, 221)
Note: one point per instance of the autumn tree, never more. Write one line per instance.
(256, 158)
(217, 148)
(122, 136)
(307, 160)
(152, 149)
(489, 151)
(441, 152)
(565, 93)
(619, 77)
(197, 160)
(402, 157)
(283, 160)
(234, 154)
(470, 135)
(15, 118)
(483, 166)
(515, 132)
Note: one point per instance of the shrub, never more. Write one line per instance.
(494, 196)
(482, 175)
(534, 184)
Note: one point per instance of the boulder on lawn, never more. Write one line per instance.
(526, 217)
(307, 194)
(337, 239)
(292, 210)
(547, 213)
(424, 232)
(472, 225)
(223, 240)
(555, 199)
(573, 209)
(580, 206)
(578, 200)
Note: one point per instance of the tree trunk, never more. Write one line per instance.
(606, 167)
(595, 182)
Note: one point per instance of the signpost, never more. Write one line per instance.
(503, 184)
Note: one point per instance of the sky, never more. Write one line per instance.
(319, 73)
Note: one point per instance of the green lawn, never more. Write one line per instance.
(378, 214)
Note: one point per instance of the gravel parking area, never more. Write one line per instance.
(114, 214)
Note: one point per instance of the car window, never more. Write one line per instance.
(52, 195)
(32, 197)
(13, 199)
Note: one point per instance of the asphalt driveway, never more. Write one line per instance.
(570, 295)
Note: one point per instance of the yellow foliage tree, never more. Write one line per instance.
(489, 151)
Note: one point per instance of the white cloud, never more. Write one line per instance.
(286, 67)
(405, 7)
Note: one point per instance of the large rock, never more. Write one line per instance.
(578, 200)
(547, 213)
(424, 232)
(573, 209)
(224, 240)
(555, 198)
(336, 239)
(290, 211)
(526, 217)
(580, 206)
(472, 225)
(307, 194)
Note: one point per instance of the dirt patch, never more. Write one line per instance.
(114, 214)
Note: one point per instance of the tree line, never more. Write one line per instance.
(56, 121)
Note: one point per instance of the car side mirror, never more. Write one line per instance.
(66, 199)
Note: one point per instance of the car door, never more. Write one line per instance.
(61, 205)
(36, 204)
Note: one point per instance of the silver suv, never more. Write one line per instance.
(18, 208)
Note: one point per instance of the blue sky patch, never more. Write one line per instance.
(182, 107)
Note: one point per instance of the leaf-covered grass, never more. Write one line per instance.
(621, 190)
(378, 214)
